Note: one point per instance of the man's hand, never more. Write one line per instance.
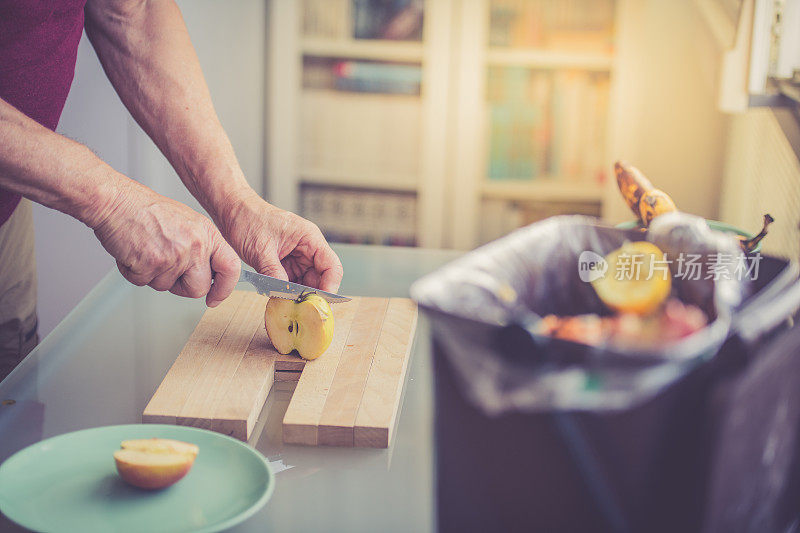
(164, 244)
(280, 244)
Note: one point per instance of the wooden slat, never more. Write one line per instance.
(215, 377)
(341, 406)
(171, 395)
(380, 402)
(292, 362)
(303, 414)
(248, 390)
(284, 386)
(287, 375)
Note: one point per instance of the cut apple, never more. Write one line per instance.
(304, 324)
(154, 463)
(160, 446)
(637, 280)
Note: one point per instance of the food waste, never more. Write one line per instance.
(674, 321)
(645, 315)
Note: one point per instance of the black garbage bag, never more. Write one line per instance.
(535, 433)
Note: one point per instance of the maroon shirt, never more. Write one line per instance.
(38, 47)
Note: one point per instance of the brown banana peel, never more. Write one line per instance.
(653, 204)
(632, 184)
(748, 245)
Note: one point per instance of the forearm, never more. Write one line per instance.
(146, 52)
(55, 171)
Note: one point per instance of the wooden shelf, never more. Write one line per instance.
(549, 59)
(378, 181)
(410, 52)
(345, 95)
(545, 189)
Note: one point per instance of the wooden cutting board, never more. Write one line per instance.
(350, 396)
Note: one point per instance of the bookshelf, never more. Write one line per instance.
(354, 115)
(534, 107)
(446, 122)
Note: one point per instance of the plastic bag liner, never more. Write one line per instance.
(485, 304)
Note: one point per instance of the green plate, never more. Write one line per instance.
(70, 483)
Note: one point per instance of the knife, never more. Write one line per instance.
(276, 288)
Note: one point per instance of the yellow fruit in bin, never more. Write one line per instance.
(637, 280)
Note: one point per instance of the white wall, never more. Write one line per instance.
(229, 38)
(69, 259)
(762, 175)
(665, 99)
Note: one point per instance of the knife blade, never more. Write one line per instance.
(276, 288)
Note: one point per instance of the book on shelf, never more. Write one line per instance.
(372, 77)
(581, 123)
(564, 25)
(570, 108)
(326, 19)
(499, 217)
(361, 216)
(399, 20)
(361, 76)
(520, 117)
(547, 124)
(370, 136)
(567, 25)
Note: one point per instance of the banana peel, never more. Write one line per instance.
(748, 245)
(632, 184)
(642, 198)
(654, 203)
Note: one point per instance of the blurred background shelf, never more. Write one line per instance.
(471, 132)
(374, 181)
(552, 189)
(549, 59)
(411, 52)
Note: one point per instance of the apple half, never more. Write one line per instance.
(304, 324)
(154, 463)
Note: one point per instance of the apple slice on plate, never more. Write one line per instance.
(154, 463)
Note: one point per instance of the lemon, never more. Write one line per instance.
(637, 280)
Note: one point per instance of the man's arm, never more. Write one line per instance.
(156, 241)
(55, 171)
(146, 52)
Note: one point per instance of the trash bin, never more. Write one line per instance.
(536, 434)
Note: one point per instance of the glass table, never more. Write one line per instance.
(103, 362)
